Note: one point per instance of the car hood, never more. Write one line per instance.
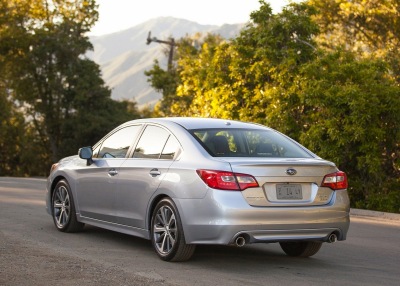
(67, 160)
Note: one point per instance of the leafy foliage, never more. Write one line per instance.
(324, 72)
(59, 90)
(353, 110)
(364, 27)
(165, 82)
(11, 130)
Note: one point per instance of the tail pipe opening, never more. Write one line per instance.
(240, 241)
(332, 238)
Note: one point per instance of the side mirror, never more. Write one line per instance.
(86, 153)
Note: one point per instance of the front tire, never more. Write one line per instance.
(167, 234)
(301, 248)
(63, 209)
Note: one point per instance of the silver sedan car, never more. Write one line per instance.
(180, 182)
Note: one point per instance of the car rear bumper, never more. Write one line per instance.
(222, 216)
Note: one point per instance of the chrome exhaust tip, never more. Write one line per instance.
(332, 238)
(240, 241)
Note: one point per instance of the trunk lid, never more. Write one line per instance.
(286, 182)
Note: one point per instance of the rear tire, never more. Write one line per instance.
(167, 234)
(301, 248)
(63, 209)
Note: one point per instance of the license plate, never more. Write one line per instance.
(289, 192)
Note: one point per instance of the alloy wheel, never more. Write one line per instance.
(61, 206)
(165, 230)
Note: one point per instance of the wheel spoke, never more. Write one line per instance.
(169, 243)
(59, 218)
(159, 219)
(163, 243)
(66, 200)
(172, 240)
(164, 215)
(158, 229)
(57, 205)
(171, 220)
(173, 233)
(62, 194)
(66, 216)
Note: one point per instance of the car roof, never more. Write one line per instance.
(202, 123)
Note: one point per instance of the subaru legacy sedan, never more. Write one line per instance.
(180, 182)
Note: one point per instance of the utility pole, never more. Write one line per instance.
(171, 44)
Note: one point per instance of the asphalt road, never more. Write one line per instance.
(33, 252)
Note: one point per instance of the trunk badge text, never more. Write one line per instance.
(291, 172)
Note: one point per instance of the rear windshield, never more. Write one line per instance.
(248, 143)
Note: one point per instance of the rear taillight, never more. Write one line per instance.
(223, 180)
(335, 181)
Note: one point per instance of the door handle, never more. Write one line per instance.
(112, 172)
(155, 172)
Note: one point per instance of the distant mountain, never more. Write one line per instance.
(124, 56)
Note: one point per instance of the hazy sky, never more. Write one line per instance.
(117, 15)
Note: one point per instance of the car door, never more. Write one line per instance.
(141, 175)
(97, 183)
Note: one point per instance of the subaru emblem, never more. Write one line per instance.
(291, 172)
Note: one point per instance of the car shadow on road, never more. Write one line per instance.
(225, 258)
(124, 240)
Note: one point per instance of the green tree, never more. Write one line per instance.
(250, 77)
(342, 102)
(45, 59)
(20, 148)
(12, 126)
(352, 114)
(367, 27)
(199, 78)
(281, 44)
(42, 54)
(164, 81)
(167, 80)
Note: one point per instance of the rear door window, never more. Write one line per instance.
(151, 143)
